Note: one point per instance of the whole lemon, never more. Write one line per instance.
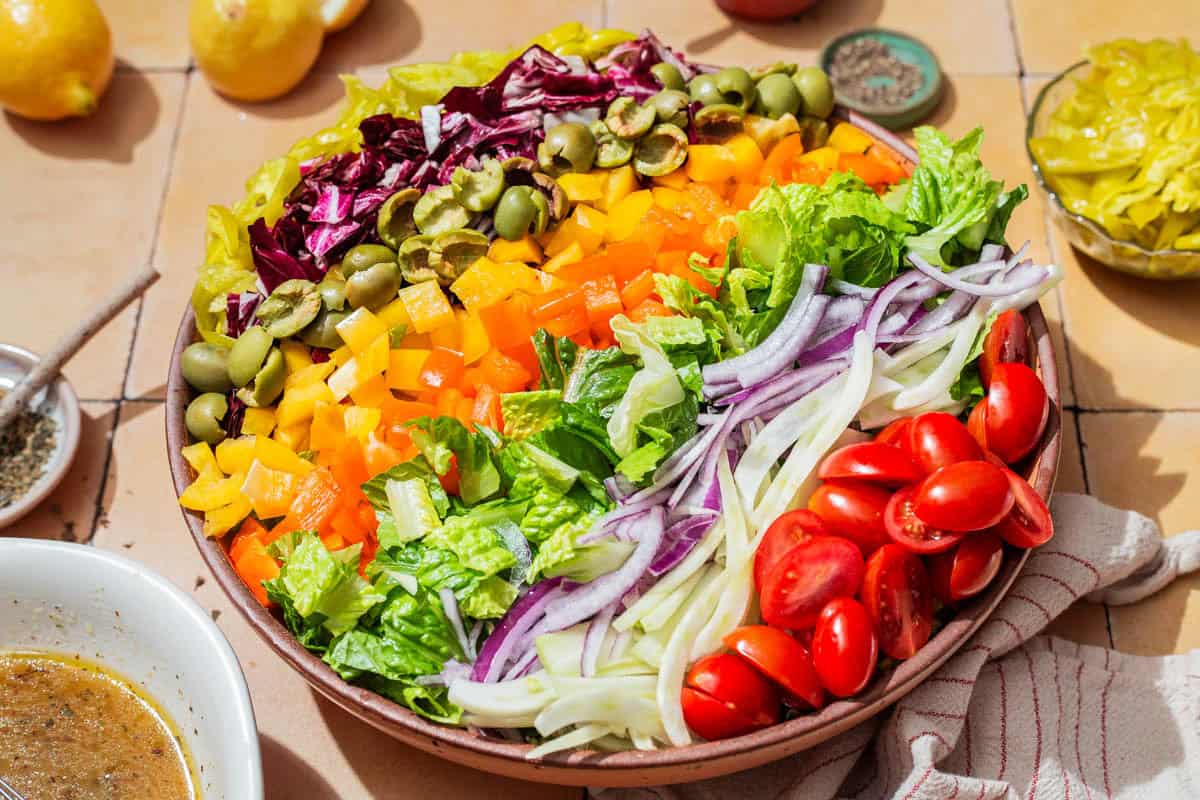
(255, 49)
(338, 14)
(56, 57)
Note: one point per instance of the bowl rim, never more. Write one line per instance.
(925, 100)
(1087, 222)
(67, 403)
(157, 588)
(627, 768)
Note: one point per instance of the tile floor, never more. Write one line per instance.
(138, 175)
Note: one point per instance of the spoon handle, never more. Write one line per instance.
(48, 366)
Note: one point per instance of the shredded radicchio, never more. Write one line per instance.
(239, 312)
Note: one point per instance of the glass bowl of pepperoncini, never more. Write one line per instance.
(1120, 196)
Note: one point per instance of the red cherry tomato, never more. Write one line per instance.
(1017, 410)
(872, 462)
(897, 596)
(449, 481)
(782, 659)
(844, 647)
(1006, 343)
(967, 496)
(895, 433)
(711, 718)
(807, 577)
(977, 424)
(938, 440)
(907, 529)
(1029, 523)
(731, 680)
(966, 570)
(790, 529)
(853, 510)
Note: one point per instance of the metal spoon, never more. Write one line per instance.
(7, 792)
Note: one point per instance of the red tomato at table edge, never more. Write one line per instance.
(1007, 342)
(895, 433)
(711, 718)
(806, 578)
(732, 680)
(966, 570)
(845, 649)
(1018, 409)
(966, 496)
(782, 659)
(1029, 524)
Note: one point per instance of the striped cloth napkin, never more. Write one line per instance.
(1016, 715)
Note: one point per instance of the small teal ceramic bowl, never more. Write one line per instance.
(904, 49)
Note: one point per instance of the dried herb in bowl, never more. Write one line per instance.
(26, 447)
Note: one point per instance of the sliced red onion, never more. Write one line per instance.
(954, 281)
(842, 311)
(877, 308)
(611, 524)
(593, 640)
(522, 665)
(618, 487)
(712, 390)
(521, 616)
(681, 538)
(990, 252)
(785, 382)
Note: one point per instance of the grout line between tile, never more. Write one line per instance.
(98, 514)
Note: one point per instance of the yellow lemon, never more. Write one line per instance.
(338, 14)
(56, 57)
(255, 49)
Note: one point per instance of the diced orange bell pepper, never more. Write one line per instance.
(503, 373)
(744, 195)
(777, 164)
(447, 402)
(622, 182)
(825, 158)
(675, 262)
(443, 369)
(332, 541)
(718, 233)
(317, 498)
(624, 217)
(870, 170)
(380, 456)
(270, 491)
(569, 324)
(848, 138)
(572, 254)
(252, 530)
(472, 379)
(638, 290)
(404, 369)
(427, 306)
(486, 408)
(254, 567)
(602, 300)
(675, 180)
(350, 468)
(448, 336)
(706, 202)
(474, 336)
(404, 410)
(710, 163)
(345, 523)
(463, 410)
(373, 393)
(747, 157)
(508, 324)
(525, 249)
(554, 304)
(648, 308)
(583, 337)
(361, 421)
(328, 427)
(884, 158)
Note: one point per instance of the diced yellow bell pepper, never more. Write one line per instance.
(344, 380)
(582, 187)
(296, 355)
(275, 455)
(448, 336)
(526, 250)
(361, 328)
(487, 282)
(258, 421)
(221, 521)
(200, 458)
(373, 393)
(426, 305)
(393, 314)
(668, 199)
(622, 182)
(328, 427)
(270, 491)
(587, 226)
(847, 138)
(710, 163)
(373, 360)
(235, 455)
(628, 213)
(572, 255)
(551, 283)
(822, 157)
(293, 437)
(748, 159)
(341, 355)
(415, 341)
(674, 180)
(298, 402)
(313, 373)
(360, 422)
(591, 218)
(767, 132)
(210, 492)
(474, 336)
(404, 369)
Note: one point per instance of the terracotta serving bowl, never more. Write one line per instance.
(633, 768)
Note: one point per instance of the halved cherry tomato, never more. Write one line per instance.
(844, 647)
(1029, 523)
(977, 424)
(1006, 343)
(732, 681)
(853, 510)
(790, 529)
(897, 597)
(895, 433)
(782, 659)
(967, 496)
(713, 719)
(966, 570)
(1017, 410)
(937, 439)
(872, 462)
(809, 576)
(907, 529)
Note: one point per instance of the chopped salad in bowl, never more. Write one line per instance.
(586, 396)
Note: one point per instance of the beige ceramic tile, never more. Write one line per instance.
(85, 197)
(1070, 460)
(311, 749)
(149, 34)
(1149, 462)
(977, 41)
(69, 512)
(1053, 36)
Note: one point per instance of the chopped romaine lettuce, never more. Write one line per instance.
(324, 587)
(527, 413)
(413, 512)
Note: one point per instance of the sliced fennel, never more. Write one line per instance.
(669, 605)
(675, 659)
(585, 734)
(700, 555)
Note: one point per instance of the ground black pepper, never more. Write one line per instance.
(866, 72)
(25, 448)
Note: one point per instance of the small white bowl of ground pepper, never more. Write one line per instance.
(38, 447)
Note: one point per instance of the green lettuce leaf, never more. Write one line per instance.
(527, 413)
(324, 587)
(562, 555)
(441, 438)
(555, 356)
(652, 389)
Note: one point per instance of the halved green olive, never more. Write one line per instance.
(205, 367)
(661, 151)
(205, 416)
(704, 89)
(322, 331)
(816, 90)
(268, 382)
(557, 203)
(247, 355)
(768, 132)
(453, 252)
(667, 75)
(568, 147)
(671, 106)
(778, 68)
(437, 212)
(366, 255)
(414, 257)
(373, 287)
(737, 87)
(716, 123)
(333, 293)
(292, 305)
(628, 118)
(395, 223)
(478, 190)
(814, 132)
(521, 210)
(611, 151)
(778, 95)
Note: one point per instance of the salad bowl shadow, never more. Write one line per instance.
(630, 768)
